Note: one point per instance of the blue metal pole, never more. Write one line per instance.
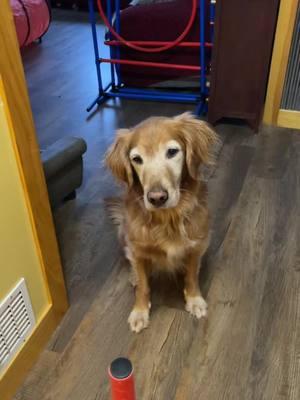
(212, 18)
(111, 50)
(211, 29)
(200, 109)
(100, 99)
(95, 43)
(158, 93)
(136, 96)
(118, 30)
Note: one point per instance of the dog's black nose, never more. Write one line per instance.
(157, 197)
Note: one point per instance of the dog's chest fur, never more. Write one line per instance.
(165, 247)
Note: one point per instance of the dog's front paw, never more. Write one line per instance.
(138, 320)
(196, 306)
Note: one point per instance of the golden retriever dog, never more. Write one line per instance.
(163, 219)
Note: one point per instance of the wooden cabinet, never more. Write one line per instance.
(244, 34)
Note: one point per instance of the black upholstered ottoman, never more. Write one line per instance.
(63, 168)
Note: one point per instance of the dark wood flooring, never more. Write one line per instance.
(249, 346)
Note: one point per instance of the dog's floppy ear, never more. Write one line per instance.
(117, 157)
(198, 138)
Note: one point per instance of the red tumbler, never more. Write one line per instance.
(121, 379)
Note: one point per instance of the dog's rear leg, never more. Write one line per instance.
(139, 316)
(195, 304)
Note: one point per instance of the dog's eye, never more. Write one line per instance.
(137, 159)
(172, 152)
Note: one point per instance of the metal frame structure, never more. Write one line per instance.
(116, 89)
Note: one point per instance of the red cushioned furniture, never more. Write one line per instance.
(159, 22)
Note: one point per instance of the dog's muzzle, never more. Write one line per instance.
(157, 197)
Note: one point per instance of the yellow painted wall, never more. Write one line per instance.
(18, 253)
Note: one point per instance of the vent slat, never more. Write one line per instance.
(25, 323)
(13, 332)
(8, 327)
(4, 314)
(1, 339)
(16, 322)
(4, 358)
(18, 307)
(2, 343)
(19, 321)
(3, 350)
(17, 298)
(18, 304)
(12, 341)
(24, 329)
(21, 312)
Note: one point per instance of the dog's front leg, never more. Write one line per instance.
(195, 304)
(139, 316)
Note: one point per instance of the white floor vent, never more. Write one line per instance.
(16, 322)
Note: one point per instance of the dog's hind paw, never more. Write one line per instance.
(196, 306)
(138, 320)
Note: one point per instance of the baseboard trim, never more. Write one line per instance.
(289, 119)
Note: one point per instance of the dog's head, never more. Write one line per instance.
(156, 155)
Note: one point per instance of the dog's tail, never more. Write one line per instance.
(116, 212)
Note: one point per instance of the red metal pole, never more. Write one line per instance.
(155, 43)
(121, 379)
(151, 64)
(145, 49)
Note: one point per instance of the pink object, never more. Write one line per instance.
(32, 19)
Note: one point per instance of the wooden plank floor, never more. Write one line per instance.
(249, 346)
